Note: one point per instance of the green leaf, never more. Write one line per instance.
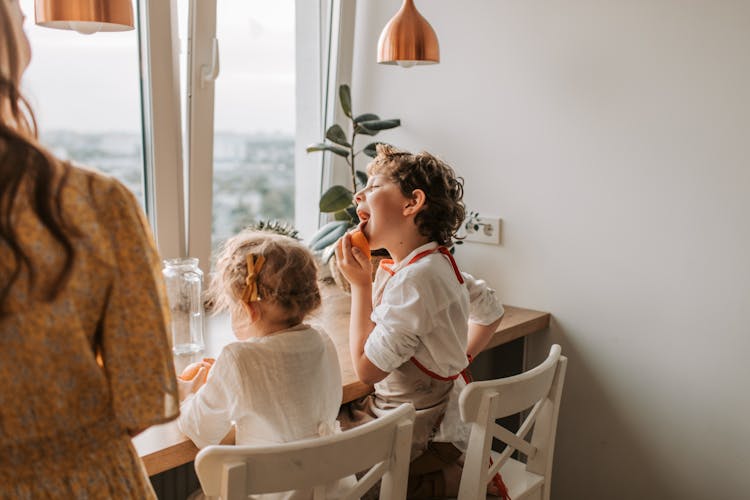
(361, 177)
(370, 149)
(327, 254)
(343, 215)
(365, 117)
(336, 231)
(332, 237)
(324, 231)
(336, 134)
(380, 124)
(345, 97)
(348, 215)
(335, 199)
(359, 129)
(320, 146)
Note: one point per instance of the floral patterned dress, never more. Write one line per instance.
(81, 372)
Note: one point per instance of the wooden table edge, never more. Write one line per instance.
(511, 328)
(170, 457)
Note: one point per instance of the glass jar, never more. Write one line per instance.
(184, 282)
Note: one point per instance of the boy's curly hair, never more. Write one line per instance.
(444, 209)
(288, 277)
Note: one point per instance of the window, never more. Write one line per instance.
(253, 169)
(112, 101)
(86, 97)
(239, 126)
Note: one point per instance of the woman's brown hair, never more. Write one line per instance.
(26, 169)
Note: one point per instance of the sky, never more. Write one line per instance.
(90, 83)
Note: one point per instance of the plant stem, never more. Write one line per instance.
(352, 153)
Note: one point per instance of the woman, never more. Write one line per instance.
(84, 357)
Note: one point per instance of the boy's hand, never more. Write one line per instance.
(353, 263)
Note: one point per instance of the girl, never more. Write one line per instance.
(281, 381)
(409, 331)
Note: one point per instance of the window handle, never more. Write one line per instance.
(209, 74)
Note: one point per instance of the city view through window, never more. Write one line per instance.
(253, 173)
(253, 181)
(85, 93)
(254, 115)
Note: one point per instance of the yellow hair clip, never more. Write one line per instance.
(251, 282)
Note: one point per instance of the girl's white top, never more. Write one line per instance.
(278, 388)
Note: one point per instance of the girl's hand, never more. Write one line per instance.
(193, 377)
(191, 370)
(353, 263)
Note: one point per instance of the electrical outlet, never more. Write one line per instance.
(481, 229)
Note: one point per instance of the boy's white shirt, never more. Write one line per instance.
(422, 310)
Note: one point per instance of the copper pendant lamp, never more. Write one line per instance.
(85, 16)
(408, 39)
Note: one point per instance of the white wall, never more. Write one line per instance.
(613, 138)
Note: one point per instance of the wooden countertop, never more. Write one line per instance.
(164, 447)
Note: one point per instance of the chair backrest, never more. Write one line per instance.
(481, 403)
(383, 446)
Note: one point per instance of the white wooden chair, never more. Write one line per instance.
(383, 446)
(481, 403)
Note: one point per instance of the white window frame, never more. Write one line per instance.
(179, 195)
(178, 192)
(160, 90)
(202, 70)
(310, 47)
(324, 52)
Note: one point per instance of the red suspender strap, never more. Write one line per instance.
(497, 480)
(385, 265)
(447, 253)
(464, 373)
(419, 256)
(432, 374)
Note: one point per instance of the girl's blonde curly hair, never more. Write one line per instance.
(287, 279)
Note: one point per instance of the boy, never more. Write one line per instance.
(410, 334)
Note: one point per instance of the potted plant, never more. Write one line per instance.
(274, 226)
(339, 200)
